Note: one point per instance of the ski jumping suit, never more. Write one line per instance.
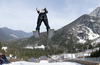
(42, 17)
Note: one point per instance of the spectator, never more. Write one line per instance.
(2, 61)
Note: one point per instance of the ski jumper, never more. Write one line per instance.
(2, 61)
(42, 17)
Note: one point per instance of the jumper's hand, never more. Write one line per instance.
(37, 9)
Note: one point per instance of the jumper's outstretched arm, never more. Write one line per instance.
(38, 11)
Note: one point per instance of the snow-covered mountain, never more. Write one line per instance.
(88, 28)
(10, 34)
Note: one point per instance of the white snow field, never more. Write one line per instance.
(32, 63)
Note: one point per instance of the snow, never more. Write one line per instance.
(40, 47)
(10, 55)
(14, 35)
(81, 40)
(95, 42)
(92, 20)
(36, 47)
(55, 57)
(80, 31)
(44, 61)
(32, 63)
(5, 48)
(92, 50)
(29, 47)
(91, 35)
(69, 56)
(87, 54)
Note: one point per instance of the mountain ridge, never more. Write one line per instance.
(96, 12)
(11, 34)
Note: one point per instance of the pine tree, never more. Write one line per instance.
(0, 45)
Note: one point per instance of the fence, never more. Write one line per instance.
(95, 59)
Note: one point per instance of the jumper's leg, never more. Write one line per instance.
(36, 34)
(50, 33)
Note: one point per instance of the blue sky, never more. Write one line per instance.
(22, 15)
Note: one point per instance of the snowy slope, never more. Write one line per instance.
(86, 33)
(40, 47)
(36, 47)
(29, 47)
(31, 63)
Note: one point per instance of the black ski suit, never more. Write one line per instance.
(42, 17)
